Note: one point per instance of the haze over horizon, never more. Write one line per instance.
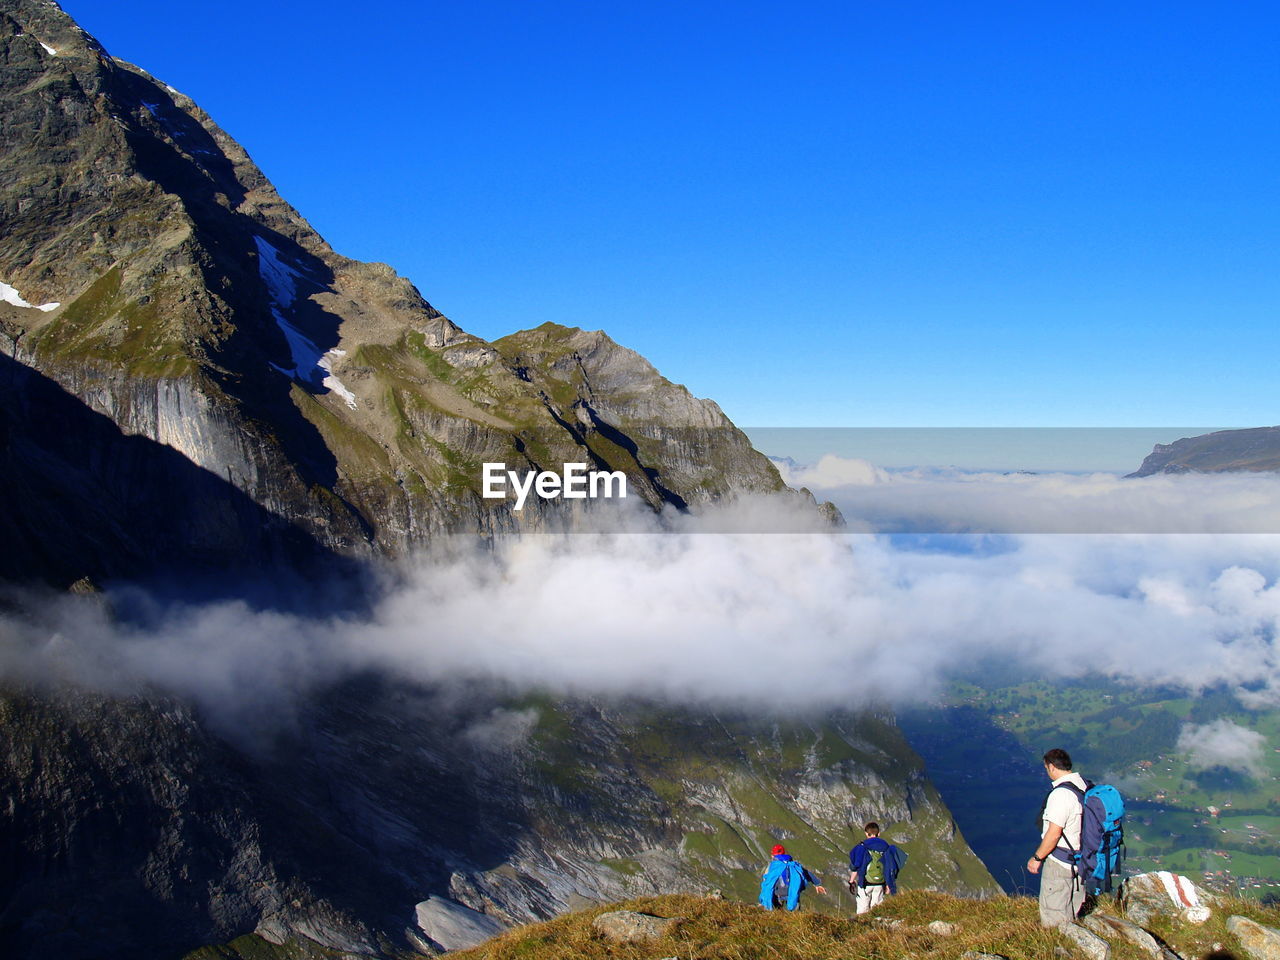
(826, 216)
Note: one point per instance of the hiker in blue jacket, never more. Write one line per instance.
(783, 879)
(873, 866)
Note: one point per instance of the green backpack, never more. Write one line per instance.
(875, 868)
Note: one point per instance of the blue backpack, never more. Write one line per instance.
(781, 884)
(1102, 849)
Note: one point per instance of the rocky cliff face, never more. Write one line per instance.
(1254, 450)
(192, 380)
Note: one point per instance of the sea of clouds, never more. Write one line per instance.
(759, 604)
(791, 621)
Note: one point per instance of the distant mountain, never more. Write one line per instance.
(1255, 450)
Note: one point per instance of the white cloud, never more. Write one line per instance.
(1223, 744)
(501, 730)
(784, 620)
(831, 472)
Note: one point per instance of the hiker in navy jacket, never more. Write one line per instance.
(873, 866)
(783, 879)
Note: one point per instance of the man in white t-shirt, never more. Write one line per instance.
(1061, 892)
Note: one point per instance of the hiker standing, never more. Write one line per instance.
(783, 879)
(873, 865)
(1061, 892)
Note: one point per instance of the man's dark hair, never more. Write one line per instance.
(872, 828)
(1059, 758)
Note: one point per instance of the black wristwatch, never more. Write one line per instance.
(1039, 859)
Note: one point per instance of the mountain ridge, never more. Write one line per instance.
(198, 308)
(1250, 450)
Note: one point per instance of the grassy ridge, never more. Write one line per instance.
(724, 930)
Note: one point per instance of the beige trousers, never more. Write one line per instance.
(869, 896)
(1061, 895)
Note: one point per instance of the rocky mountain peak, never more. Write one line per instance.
(154, 273)
(48, 27)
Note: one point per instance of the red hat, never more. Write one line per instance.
(778, 849)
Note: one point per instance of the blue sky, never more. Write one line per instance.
(845, 214)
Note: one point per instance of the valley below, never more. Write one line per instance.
(1213, 816)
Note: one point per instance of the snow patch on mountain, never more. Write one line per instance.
(9, 295)
(331, 381)
(282, 286)
(280, 278)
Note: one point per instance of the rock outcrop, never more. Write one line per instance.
(628, 926)
(1148, 895)
(1118, 928)
(1258, 942)
(448, 925)
(1085, 942)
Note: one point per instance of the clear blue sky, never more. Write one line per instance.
(843, 214)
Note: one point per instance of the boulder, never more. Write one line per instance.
(1162, 893)
(451, 926)
(942, 928)
(1086, 943)
(1259, 942)
(1109, 927)
(627, 926)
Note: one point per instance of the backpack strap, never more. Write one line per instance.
(1074, 859)
(1069, 786)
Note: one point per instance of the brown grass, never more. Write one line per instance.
(725, 930)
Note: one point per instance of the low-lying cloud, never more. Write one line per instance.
(785, 621)
(1223, 743)
(832, 472)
